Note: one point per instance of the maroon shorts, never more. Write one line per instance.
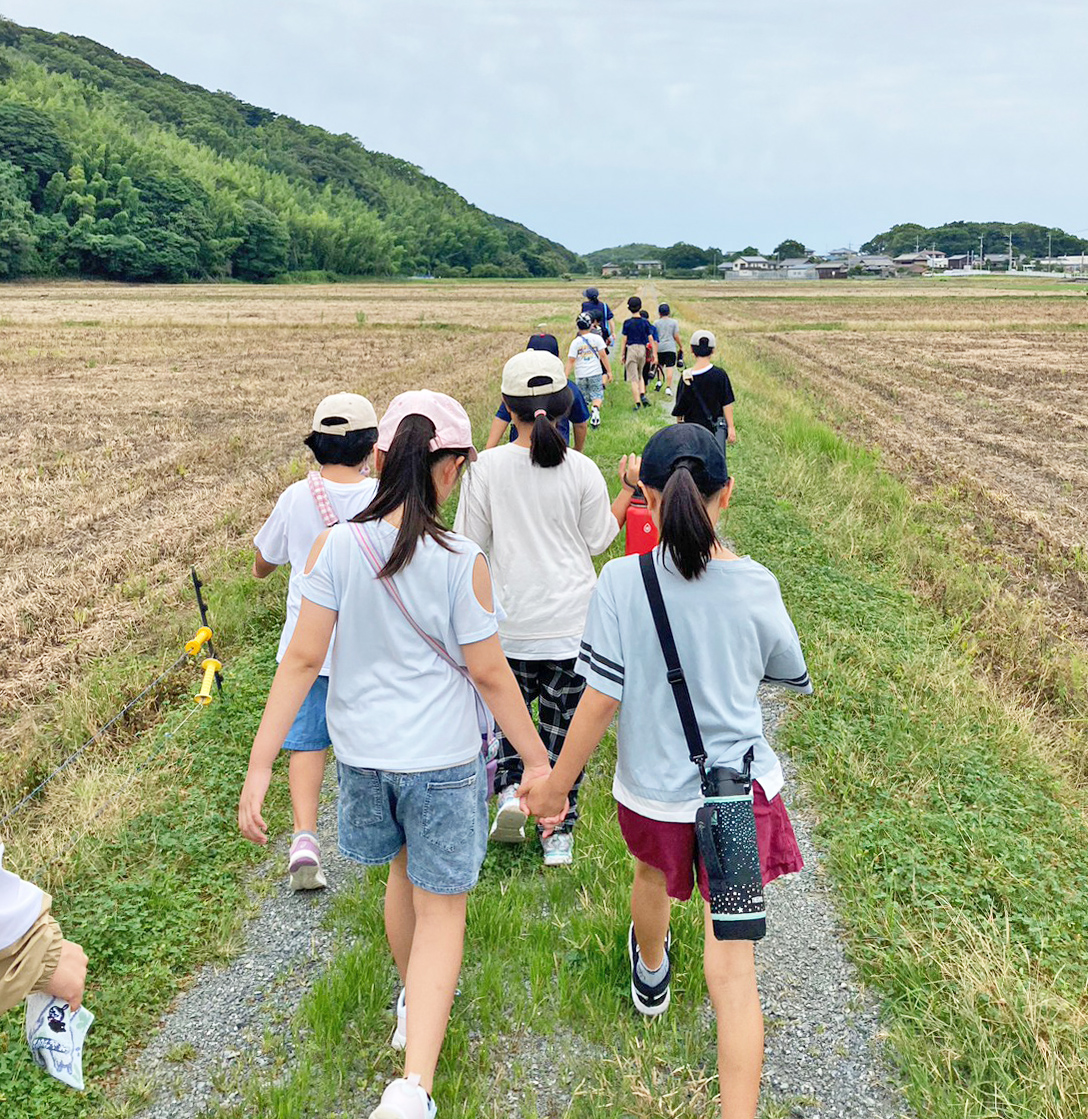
(671, 847)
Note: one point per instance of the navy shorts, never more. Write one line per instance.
(440, 815)
(309, 731)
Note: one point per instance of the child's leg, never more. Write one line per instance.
(650, 909)
(431, 982)
(510, 766)
(730, 969)
(559, 688)
(400, 913)
(306, 771)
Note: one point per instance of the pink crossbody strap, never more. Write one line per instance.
(374, 559)
(321, 498)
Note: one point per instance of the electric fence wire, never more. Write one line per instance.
(167, 736)
(94, 738)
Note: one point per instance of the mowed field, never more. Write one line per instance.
(146, 429)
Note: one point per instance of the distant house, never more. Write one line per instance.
(840, 254)
(752, 264)
(927, 258)
(649, 267)
(611, 270)
(801, 271)
(793, 262)
(831, 270)
(876, 265)
(958, 261)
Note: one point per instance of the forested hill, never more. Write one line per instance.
(110, 168)
(1028, 239)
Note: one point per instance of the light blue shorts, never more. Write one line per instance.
(592, 386)
(439, 814)
(309, 731)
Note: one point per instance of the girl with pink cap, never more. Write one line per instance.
(416, 664)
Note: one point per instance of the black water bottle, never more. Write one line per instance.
(725, 828)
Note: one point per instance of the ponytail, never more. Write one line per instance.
(407, 483)
(547, 447)
(687, 532)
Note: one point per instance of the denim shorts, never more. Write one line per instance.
(592, 386)
(309, 731)
(440, 815)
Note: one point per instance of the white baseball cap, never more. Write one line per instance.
(343, 412)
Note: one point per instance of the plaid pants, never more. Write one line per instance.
(557, 688)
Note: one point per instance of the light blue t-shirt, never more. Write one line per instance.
(394, 703)
(732, 632)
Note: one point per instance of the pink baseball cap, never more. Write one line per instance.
(453, 430)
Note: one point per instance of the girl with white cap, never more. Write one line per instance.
(541, 512)
(416, 647)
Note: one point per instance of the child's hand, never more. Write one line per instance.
(250, 821)
(630, 465)
(70, 977)
(532, 776)
(545, 802)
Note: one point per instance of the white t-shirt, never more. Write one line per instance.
(585, 350)
(732, 632)
(393, 702)
(540, 526)
(293, 526)
(20, 906)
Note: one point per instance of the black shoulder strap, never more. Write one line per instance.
(702, 402)
(680, 691)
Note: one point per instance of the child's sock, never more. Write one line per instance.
(652, 978)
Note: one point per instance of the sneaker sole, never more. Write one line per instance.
(640, 1006)
(509, 825)
(399, 1038)
(308, 878)
(383, 1111)
(558, 860)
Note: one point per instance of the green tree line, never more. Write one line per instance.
(109, 168)
(1028, 239)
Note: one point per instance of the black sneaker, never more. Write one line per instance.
(650, 1001)
(657, 384)
(644, 402)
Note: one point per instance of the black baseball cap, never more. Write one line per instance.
(662, 308)
(590, 293)
(683, 441)
(545, 342)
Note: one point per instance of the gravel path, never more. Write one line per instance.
(823, 1054)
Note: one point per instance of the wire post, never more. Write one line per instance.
(197, 584)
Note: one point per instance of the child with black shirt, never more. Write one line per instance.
(705, 393)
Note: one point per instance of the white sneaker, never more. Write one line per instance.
(405, 1098)
(304, 863)
(668, 392)
(400, 1031)
(509, 825)
(595, 418)
(558, 848)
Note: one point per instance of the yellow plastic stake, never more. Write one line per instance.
(203, 635)
(211, 666)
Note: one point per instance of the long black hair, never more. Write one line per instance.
(546, 446)
(687, 532)
(406, 483)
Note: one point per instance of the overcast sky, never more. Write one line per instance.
(721, 122)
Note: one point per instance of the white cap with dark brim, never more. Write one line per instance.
(533, 373)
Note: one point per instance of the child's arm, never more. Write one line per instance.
(731, 431)
(294, 678)
(570, 366)
(261, 567)
(490, 672)
(587, 728)
(494, 436)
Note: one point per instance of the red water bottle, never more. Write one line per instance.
(641, 530)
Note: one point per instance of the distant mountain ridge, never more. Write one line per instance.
(109, 167)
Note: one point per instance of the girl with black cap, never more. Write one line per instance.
(731, 632)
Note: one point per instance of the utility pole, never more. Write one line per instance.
(1049, 251)
(981, 254)
(1010, 251)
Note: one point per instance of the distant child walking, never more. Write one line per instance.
(731, 631)
(670, 349)
(541, 512)
(638, 348)
(345, 429)
(587, 360)
(705, 393)
(414, 658)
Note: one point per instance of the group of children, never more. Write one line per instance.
(406, 642)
